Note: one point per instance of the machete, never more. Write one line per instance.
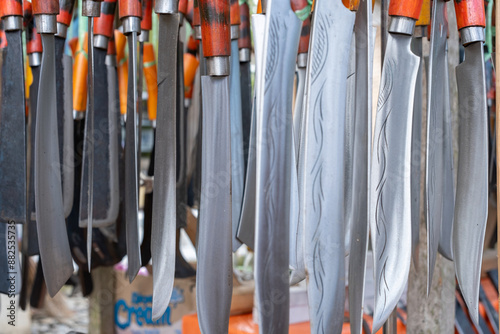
(12, 113)
(130, 14)
(164, 199)
(365, 40)
(471, 209)
(390, 195)
(321, 161)
(237, 157)
(214, 274)
(274, 162)
(245, 49)
(52, 236)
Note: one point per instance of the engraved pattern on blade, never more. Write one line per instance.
(390, 197)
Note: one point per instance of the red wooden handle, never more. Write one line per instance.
(103, 25)
(65, 11)
(244, 41)
(11, 8)
(215, 31)
(27, 13)
(183, 7)
(190, 12)
(48, 7)
(192, 45)
(470, 13)
(33, 39)
(196, 13)
(111, 46)
(235, 12)
(406, 8)
(130, 8)
(304, 36)
(147, 15)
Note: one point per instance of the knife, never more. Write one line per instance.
(471, 207)
(130, 14)
(245, 49)
(390, 195)
(52, 237)
(365, 40)
(214, 274)
(321, 159)
(202, 71)
(12, 128)
(120, 41)
(274, 162)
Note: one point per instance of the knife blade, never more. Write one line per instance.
(12, 128)
(52, 236)
(321, 160)
(390, 186)
(164, 199)
(245, 48)
(471, 206)
(214, 274)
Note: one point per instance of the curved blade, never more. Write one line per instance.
(471, 209)
(274, 165)
(321, 162)
(362, 151)
(390, 196)
(237, 158)
(53, 242)
(164, 199)
(214, 273)
(12, 133)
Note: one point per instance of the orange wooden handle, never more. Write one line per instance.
(406, 8)
(183, 7)
(147, 15)
(215, 32)
(120, 41)
(470, 13)
(50, 7)
(304, 36)
(73, 45)
(11, 7)
(352, 5)
(425, 14)
(80, 77)
(111, 47)
(244, 41)
(235, 12)
(196, 13)
(191, 64)
(190, 12)
(66, 11)
(150, 74)
(33, 40)
(130, 8)
(192, 45)
(259, 7)
(103, 25)
(3, 39)
(27, 13)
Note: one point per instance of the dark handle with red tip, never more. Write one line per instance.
(33, 40)
(235, 12)
(196, 13)
(130, 8)
(11, 8)
(147, 15)
(470, 13)
(183, 7)
(304, 36)
(103, 25)
(45, 7)
(406, 8)
(244, 41)
(192, 45)
(215, 31)
(27, 13)
(65, 11)
(190, 12)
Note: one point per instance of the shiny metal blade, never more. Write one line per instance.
(274, 165)
(390, 195)
(214, 273)
(365, 46)
(321, 162)
(237, 158)
(131, 183)
(471, 209)
(297, 113)
(164, 199)
(12, 133)
(53, 242)
(435, 135)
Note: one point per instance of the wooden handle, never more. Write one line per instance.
(352, 5)
(147, 15)
(48, 7)
(66, 11)
(190, 12)
(196, 13)
(425, 14)
(33, 39)
(11, 8)
(73, 45)
(103, 25)
(27, 13)
(406, 8)
(80, 77)
(150, 74)
(304, 36)
(192, 45)
(191, 64)
(215, 30)
(244, 41)
(130, 8)
(3, 39)
(302, 8)
(183, 7)
(111, 47)
(470, 13)
(259, 7)
(120, 42)
(235, 12)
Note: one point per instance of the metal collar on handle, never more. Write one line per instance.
(46, 23)
(131, 24)
(302, 60)
(12, 22)
(166, 7)
(218, 66)
(235, 31)
(472, 34)
(402, 25)
(101, 42)
(91, 8)
(244, 55)
(62, 30)
(35, 59)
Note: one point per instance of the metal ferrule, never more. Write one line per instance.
(35, 59)
(187, 103)
(46, 23)
(62, 30)
(218, 66)
(131, 24)
(166, 6)
(111, 60)
(144, 36)
(91, 8)
(302, 60)
(153, 124)
(235, 31)
(420, 32)
(402, 25)
(244, 55)
(471, 34)
(78, 115)
(197, 32)
(101, 42)
(12, 22)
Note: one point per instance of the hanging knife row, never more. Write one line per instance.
(301, 182)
